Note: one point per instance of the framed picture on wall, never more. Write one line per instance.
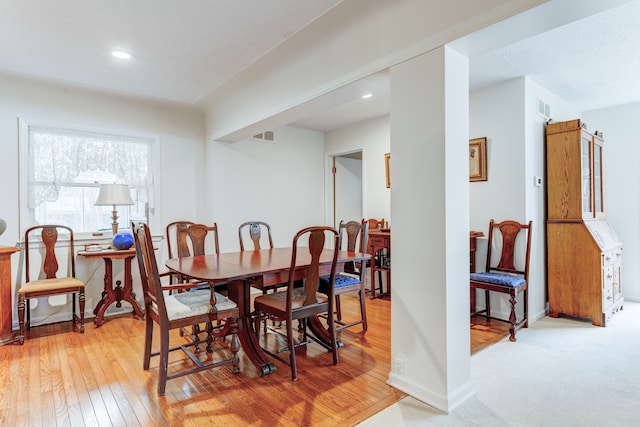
(387, 161)
(478, 159)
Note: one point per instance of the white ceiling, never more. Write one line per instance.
(184, 50)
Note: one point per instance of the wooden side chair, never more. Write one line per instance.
(253, 230)
(373, 223)
(50, 281)
(503, 271)
(191, 239)
(353, 237)
(180, 310)
(376, 259)
(302, 303)
(176, 246)
(257, 232)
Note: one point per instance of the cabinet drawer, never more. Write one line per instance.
(607, 277)
(377, 241)
(607, 297)
(609, 257)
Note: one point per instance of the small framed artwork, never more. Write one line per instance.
(387, 161)
(478, 159)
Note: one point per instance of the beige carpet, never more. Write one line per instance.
(561, 372)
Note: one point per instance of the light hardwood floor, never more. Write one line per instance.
(60, 377)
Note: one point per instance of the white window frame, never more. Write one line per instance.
(27, 215)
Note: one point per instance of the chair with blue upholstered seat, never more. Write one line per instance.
(305, 302)
(507, 270)
(353, 277)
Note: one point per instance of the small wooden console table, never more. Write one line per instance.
(6, 304)
(118, 293)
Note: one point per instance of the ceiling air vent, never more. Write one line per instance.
(264, 136)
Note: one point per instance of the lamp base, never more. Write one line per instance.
(114, 224)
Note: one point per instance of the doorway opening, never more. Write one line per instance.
(346, 187)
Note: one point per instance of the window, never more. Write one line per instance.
(63, 170)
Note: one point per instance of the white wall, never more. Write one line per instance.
(621, 179)
(179, 129)
(372, 137)
(497, 112)
(281, 183)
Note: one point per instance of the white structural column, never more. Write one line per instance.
(430, 215)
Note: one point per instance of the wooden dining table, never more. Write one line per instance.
(258, 269)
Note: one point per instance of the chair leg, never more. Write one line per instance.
(332, 334)
(148, 337)
(164, 361)
(81, 300)
(338, 309)
(512, 317)
(487, 303)
(21, 307)
(292, 350)
(525, 300)
(27, 325)
(363, 310)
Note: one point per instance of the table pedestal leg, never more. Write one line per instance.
(239, 292)
(117, 294)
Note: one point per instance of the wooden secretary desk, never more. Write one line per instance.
(584, 254)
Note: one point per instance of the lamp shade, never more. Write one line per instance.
(114, 194)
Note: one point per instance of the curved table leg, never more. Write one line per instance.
(117, 294)
(321, 332)
(239, 292)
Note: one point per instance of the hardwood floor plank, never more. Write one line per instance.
(33, 404)
(69, 392)
(61, 377)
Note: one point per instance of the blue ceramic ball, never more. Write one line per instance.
(122, 241)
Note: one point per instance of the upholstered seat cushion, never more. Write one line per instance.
(50, 284)
(502, 279)
(193, 303)
(278, 300)
(342, 279)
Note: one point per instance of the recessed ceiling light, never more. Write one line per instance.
(121, 54)
(367, 95)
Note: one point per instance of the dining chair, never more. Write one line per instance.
(377, 258)
(178, 311)
(176, 246)
(49, 241)
(305, 302)
(374, 224)
(505, 271)
(353, 237)
(253, 230)
(191, 239)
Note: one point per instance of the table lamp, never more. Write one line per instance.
(114, 195)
